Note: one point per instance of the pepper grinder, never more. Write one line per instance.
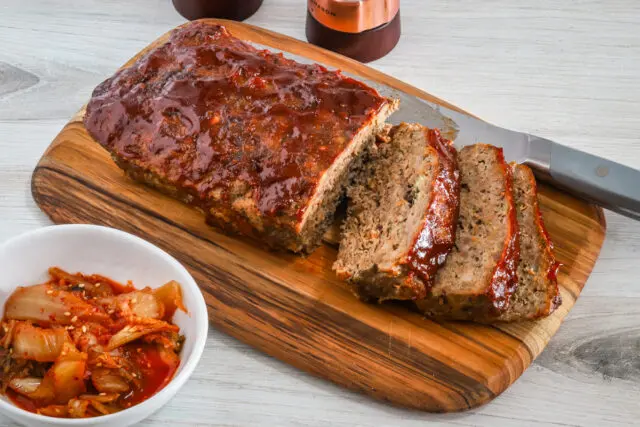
(364, 30)
(237, 10)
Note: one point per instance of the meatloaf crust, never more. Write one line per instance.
(262, 144)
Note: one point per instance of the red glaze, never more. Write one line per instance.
(554, 266)
(505, 278)
(438, 234)
(543, 229)
(220, 119)
(552, 274)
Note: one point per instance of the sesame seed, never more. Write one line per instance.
(6, 329)
(50, 292)
(98, 284)
(103, 394)
(84, 328)
(67, 313)
(11, 350)
(134, 300)
(111, 311)
(70, 327)
(133, 374)
(81, 285)
(74, 318)
(99, 364)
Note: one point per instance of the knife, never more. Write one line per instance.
(606, 183)
(609, 184)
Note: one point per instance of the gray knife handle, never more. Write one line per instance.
(610, 184)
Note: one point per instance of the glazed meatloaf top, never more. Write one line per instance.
(216, 118)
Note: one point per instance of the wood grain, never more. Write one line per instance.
(294, 308)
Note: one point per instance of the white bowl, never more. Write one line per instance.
(24, 260)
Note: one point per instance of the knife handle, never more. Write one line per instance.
(609, 184)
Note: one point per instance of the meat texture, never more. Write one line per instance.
(402, 215)
(537, 292)
(479, 276)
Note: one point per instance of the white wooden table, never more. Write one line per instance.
(565, 70)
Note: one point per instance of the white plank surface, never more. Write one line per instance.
(566, 70)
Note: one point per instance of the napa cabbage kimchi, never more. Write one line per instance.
(81, 345)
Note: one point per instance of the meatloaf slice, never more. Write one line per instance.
(401, 216)
(479, 275)
(262, 144)
(537, 292)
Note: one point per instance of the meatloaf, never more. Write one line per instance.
(401, 215)
(262, 144)
(537, 292)
(479, 275)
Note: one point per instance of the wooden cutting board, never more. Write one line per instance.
(294, 308)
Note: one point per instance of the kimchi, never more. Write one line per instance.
(81, 346)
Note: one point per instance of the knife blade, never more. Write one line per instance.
(612, 185)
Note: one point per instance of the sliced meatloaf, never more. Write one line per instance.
(537, 292)
(401, 216)
(262, 144)
(479, 275)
